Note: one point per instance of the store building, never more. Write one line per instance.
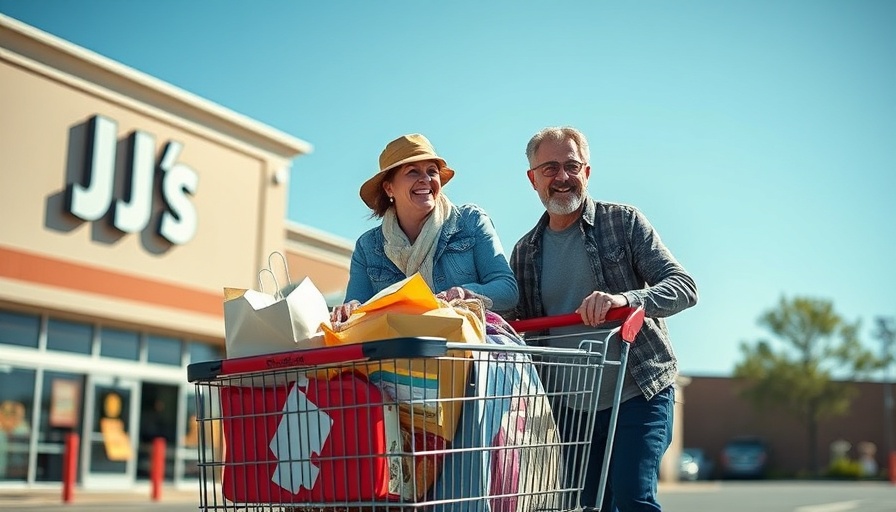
(128, 204)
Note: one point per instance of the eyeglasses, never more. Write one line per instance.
(552, 168)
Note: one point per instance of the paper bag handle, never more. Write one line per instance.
(278, 290)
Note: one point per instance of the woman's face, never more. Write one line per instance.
(415, 186)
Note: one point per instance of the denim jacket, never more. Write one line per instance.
(626, 254)
(468, 254)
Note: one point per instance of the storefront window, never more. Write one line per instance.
(69, 336)
(16, 403)
(163, 350)
(190, 440)
(204, 352)
(110, 447)
(203, 437)
(19, 329)
(34, 429)
(61, 406)
(120, 344)
(158, 419)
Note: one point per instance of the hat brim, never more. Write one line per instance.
(372, 187)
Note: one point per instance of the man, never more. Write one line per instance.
(588, 256)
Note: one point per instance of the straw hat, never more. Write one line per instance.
(403, 150)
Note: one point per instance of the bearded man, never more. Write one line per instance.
(590, 256)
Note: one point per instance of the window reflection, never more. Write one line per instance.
(19, 329)
(163, 350)
(204, 352)
(68, 336)
(111, 449)
(43, 423)
(158, 419)
(120, 344)
(16, 402)
(61, 402)
(203, 429)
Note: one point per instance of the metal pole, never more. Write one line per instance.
(886, 333)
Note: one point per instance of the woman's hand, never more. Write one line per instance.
(596, 305)
(341, 313)
(458, 292)
(455, 292)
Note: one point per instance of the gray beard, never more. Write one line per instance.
(563, 206)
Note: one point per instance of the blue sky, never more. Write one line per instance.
(759, 137)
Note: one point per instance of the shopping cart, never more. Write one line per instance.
(620, 323)
(350, 427)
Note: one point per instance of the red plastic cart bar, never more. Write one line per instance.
(406, 347)
(632, 320)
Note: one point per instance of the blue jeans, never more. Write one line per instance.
(643, 432)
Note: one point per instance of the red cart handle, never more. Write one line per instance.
(632, 318)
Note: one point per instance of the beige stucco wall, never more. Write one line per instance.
(50, 89)
(322, 257)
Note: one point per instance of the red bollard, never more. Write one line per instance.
(891, 471)
(157, 467)
(70, 466)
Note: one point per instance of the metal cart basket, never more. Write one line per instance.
(398, 424)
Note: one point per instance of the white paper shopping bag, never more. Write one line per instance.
(257, 323)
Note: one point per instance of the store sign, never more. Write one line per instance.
(126, 192)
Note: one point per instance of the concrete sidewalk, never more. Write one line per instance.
(172, 499)
(44, 498)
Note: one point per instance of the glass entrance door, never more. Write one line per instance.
(109, 451)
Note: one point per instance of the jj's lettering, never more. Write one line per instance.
(132, 211)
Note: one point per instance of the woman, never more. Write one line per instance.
(454, 248)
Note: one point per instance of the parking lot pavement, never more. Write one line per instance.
(700, 485)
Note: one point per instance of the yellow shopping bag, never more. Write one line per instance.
(428, 390)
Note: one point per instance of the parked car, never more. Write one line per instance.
(745, 457)
(694, 465)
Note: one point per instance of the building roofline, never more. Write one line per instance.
(40, 46)
(307, 236)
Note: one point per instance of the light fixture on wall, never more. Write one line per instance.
(281, 176)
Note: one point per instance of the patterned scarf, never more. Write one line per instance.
(416, 257)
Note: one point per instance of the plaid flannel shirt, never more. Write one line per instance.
(626, 254)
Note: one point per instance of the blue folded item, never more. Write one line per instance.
(506, 453)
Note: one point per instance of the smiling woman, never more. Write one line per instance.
(454, 248)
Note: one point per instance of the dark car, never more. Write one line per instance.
(694, 465)
(745, 457)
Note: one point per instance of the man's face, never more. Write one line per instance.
(560, 176)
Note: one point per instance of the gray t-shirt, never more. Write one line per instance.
(566, 281)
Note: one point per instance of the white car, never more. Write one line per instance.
(694, 465)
